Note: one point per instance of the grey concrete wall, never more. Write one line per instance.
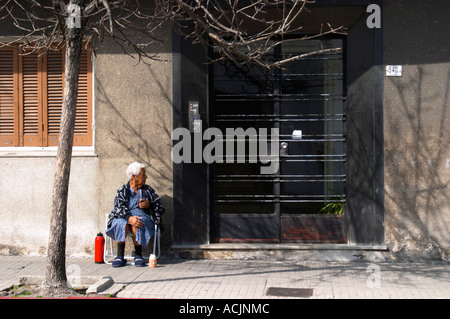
(133, 115)
(133, 122)
(417, 128)
(25, 203)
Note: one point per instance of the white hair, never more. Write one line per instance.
(134, 169)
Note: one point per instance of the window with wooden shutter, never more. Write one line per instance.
(31, 95)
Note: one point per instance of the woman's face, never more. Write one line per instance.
(139, 180)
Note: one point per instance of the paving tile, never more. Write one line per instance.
(224, 279)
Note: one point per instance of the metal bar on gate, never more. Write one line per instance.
(273, 196)
(278, 180)
(156, 238)
(271, 201)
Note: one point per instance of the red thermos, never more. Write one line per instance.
(99, 247)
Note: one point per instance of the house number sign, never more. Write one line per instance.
(393, 70)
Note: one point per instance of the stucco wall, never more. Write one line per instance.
(133, 115)
(133, 121)
(417, 128)
(25, 204)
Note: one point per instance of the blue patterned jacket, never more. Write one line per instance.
(155, 210)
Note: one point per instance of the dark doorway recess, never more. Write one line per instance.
(305, 103)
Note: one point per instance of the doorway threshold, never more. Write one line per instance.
(284, 246)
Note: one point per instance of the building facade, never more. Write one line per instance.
(358, 142)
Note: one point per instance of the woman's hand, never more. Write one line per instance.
(144, 203)
(135, 221)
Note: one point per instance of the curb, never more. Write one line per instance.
(103, 285)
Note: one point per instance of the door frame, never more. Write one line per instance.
(269, 228)
(364, 219)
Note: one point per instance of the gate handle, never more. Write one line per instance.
(283, 148)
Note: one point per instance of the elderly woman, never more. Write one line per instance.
(137, 208)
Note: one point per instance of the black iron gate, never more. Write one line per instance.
(304, 103)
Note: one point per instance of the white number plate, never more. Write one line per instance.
(393, 70)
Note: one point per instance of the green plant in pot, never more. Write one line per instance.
(335, 207)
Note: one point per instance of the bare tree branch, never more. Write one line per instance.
(42, 23)
(242, 31)
(108, 15)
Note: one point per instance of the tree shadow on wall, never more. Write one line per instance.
(417, 134)
(135, 141)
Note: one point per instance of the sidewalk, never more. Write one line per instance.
(253, 279)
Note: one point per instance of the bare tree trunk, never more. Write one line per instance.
(55, 277)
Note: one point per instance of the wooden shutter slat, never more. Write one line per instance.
(83, 119)
(30, 94)
(6, 93)
(83, 127)
(54, 95)
(82, 101)
(8, 98)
